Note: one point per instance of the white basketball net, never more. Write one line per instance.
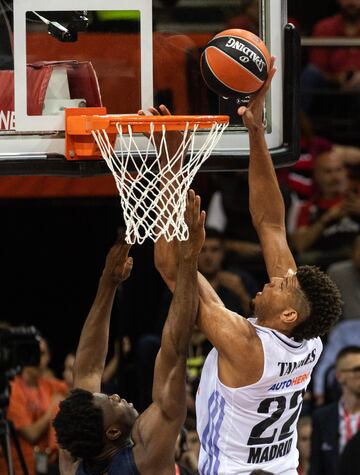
(153, 198)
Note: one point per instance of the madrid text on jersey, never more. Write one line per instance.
(268, 453)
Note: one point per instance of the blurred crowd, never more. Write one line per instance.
(322, 195)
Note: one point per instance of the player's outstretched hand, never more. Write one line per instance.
(118, 264)
(253, 114)
(195, 220)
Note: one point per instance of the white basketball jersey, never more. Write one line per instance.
(254, 427)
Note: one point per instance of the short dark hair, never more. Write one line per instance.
(347, 350)
(79, 425)
(325, 303)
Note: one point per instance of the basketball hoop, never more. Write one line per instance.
(152, 183)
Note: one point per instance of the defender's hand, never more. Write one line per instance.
(253, 114)
(174, 138)
(195, 220)
(118, 265)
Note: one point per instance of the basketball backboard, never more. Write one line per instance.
(131, 54)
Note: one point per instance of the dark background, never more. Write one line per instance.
(52, 254)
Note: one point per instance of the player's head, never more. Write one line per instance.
(87, 423)
(348, 369)
(212, 254)
(304, 305)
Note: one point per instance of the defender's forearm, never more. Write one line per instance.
(266, 202)
(93, 344)
(184, 306)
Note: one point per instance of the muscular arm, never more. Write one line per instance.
(159, 426)
(266, 203)
(231, 334)
(93, 344)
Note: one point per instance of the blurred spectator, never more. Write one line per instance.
(228, 285)
(350, 458)
(328, 223)
(346, 275)
(68, 369)
(180, 451)
(325, 387)
(229, 213)
(45, 358)
(334, 67)
(199, 348)
(304, 429)
(193, 445)
(33, 404)
(111, 367)
(335, 424)
(248, 19)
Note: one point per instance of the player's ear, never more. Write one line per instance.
(113, 433)
(289, 316)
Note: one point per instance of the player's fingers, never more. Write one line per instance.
(202, 218)
(264, 89)
(242, 110)
(164, 110)
(153, 111)
(124, 249)
(197, 207)
(141, 112)
(272, 62)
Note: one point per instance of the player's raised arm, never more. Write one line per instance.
(93, 344)
(159, 426)
(266, 202)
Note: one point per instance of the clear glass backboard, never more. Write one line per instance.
(132, 54)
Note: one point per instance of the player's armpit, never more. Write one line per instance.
(241, 357)
(155, 437)
(277, 255)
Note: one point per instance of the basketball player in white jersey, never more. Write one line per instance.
(253, 381)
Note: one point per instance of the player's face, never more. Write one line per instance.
(116, 411)
(276, 296)
(348, 373)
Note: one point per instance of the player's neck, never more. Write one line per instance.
(273, 326)
(351, 402)
(108, 453)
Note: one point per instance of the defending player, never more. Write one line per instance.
(105, 434)
(253, 381)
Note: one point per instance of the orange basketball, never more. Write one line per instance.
(235, 63)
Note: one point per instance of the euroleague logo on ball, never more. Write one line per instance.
(249, 54)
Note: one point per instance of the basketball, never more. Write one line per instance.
(235, 63)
